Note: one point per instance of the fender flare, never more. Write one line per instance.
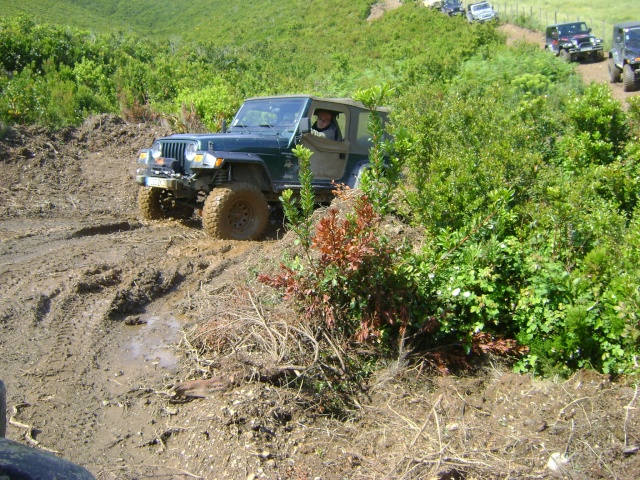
(353, 181)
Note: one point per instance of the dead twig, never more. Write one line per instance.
(335, 349)
(562, 410)
(29, 429)
(426, 420)
(628, 408)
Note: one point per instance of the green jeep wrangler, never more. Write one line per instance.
(233, 177)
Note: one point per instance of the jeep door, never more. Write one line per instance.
(329, 155)
(552, 39)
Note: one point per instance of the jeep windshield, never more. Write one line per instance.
(452, 3)
(480, 6)
(277, 116)
(632, 37)
(573, 28)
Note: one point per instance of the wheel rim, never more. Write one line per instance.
(239, 216)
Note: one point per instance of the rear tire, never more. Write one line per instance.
(159, 204)
(235, 211)
(614, 72)
(629, 82)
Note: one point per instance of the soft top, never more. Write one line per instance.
(344, 101)
(566, 23)
(634, 23)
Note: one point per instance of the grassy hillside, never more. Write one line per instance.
(219, 21)
(610, 11)
(60, 12)
(225, 21)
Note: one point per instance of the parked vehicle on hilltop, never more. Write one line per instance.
(233, 177)
(452, 7)
(624, 56)
(573, 41)
(481, 12)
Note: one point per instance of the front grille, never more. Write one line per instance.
(172, 149)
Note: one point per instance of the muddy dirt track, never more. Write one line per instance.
(92, 303)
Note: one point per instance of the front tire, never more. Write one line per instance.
(565, 55)
(629, 82)
(614, 72)
(235, 211)
(159, 204)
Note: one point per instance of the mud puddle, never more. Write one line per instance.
(153, 342)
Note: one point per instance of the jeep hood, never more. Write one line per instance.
(579, 36)
(232, 142)
(633, 47)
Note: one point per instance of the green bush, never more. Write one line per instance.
(525, 184)
(212, 104)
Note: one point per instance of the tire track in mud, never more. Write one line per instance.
(74, 320)
(60, 301)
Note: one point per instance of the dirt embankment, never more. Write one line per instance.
(92, 303)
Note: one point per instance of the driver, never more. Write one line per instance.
(325, 126)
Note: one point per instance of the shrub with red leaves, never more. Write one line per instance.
(351, 284)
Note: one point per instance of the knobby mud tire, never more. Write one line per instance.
(614, 72)
(159, 204)
(235, 211)
(629, 82)
(566, 56)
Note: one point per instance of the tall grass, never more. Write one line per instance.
(611, 11)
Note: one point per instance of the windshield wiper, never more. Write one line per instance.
(266, 125)
(240, 125)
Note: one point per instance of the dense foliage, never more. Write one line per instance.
(522, 181)
(57, 75)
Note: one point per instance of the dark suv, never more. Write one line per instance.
(233, 177)
(573, 41)
(452, 7)
(624, 56)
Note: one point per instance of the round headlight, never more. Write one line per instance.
(190, 151)
(156, 150)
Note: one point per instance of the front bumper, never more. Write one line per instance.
(485, 18)
(158, 182)
(584, 49)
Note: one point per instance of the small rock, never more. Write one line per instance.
(171, 410)
(557, 462)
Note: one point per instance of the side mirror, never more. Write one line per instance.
(224, 125)
(305, 125)
(589, 30)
